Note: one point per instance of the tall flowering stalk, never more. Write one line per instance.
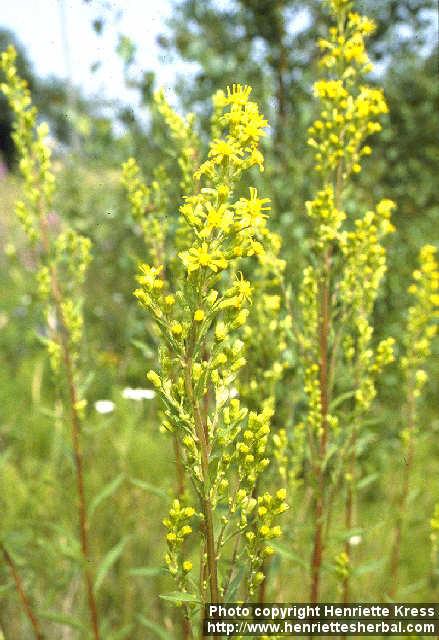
(151, 206)
(341, 283)
(420, 331)
(200, 315)
(62, 264)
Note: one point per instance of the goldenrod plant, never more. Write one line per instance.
(420, 331)
(62, 264)
(338, 354)
(248, 444)
(265, 360)
(200, 314)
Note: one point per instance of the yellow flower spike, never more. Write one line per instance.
(216, 231)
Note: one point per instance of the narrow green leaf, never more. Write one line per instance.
(143, 348)
(331, 451)
(159, 631)
(147, 486)
(179, 596)
(290, 555)
(110, 559)
(369, 567)
(6, 587)
(340, 399)
(367, 480)
(61, 618)
(412, 588)
(147, 572)
(123, 633)
(106, 492)
(234, 585)
(85, 385)
(4, 456)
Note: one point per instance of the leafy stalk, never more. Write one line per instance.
(420, 331)
(63, 263)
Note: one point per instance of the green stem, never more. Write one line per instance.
(206, 501)
(317, 554)
(395, 555)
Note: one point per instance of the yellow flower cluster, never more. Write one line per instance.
(138, 192)
(32, 147)
(222, 231)
(178, 529)
(345, 122)
(183, 136)
(323, 210)
(62, 261)
(238, 151)
(342, 565)
(148, 205)
(369, 363)
(289, 449)
(267, 509)
(203, 256)
(334, 330)
(422, 317)
(349, 47)
(308, 300)
(365, 257)
(364, 267)
(251, 450)
(349, 108)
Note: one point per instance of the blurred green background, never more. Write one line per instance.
(204, 45)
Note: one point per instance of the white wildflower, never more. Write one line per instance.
(138, 394)
(104, 406)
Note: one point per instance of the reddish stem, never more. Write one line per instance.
(22, 595)
(75, 434)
